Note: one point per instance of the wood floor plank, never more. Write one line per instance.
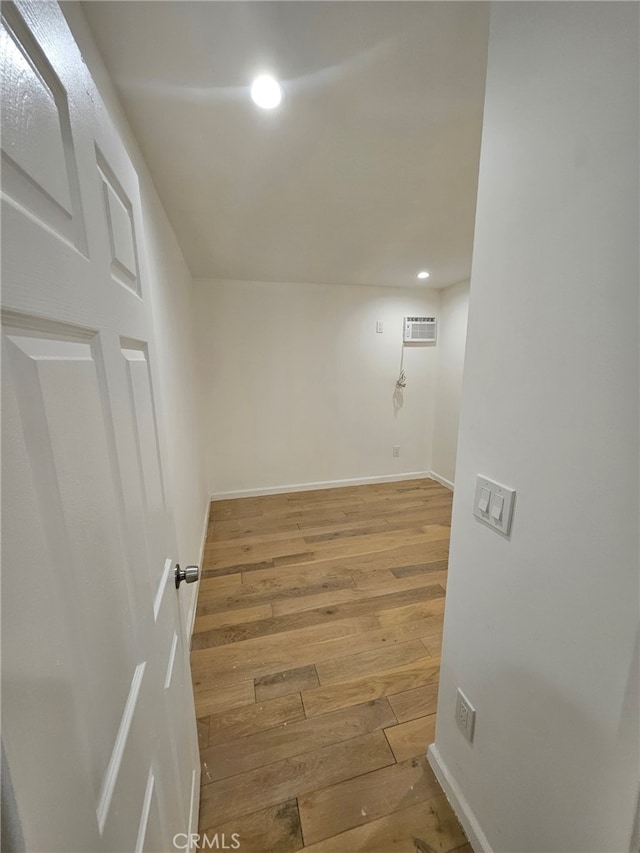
(211, 571)
(347, 533)
(213, 700)
(429, 827)
(321, 700)
(357, 665)
(377, 582)
(313, 516)
(407, 504)
(282, 780)
(307, 528)
(287, 681)
(272, 592)
(386, 509)
(392, 498)
(379, 541)
(231, 509)
(275, 829)
(410, 739)
(216, 585)
(227, 554)
(415, 703)
(328, 599)
(402, 521)
(229, 618)
(419, 569)
(296, 557)
(275, 744)
(249, 719)
(409, 613)
(236, 531)
(319, 599)
(270, 528)
(340, 807)
(369, 566)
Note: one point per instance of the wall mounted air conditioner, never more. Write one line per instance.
(420, 330)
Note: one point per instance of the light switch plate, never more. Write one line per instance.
(497, 491)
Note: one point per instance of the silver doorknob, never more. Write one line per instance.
(190, 574)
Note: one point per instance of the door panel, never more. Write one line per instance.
(98, 716)
(62, 418)
(38, 161)
(149, 460)
(41, 657)
(119, 219)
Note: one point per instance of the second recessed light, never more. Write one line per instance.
(266, 92)
(423, 274)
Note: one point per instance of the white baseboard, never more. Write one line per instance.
(191, 619)
(327, 484)
(476, 836)
(442, 480)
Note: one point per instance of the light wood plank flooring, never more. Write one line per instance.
(315, 666)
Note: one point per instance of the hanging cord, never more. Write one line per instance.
(402, 378)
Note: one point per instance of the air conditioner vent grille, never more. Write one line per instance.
(420, 330)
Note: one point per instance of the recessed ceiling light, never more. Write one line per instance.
(266, 92)
(423, 274)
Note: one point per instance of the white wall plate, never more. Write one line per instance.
(493, 504)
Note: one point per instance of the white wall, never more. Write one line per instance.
(452, 337)
(172, 294)
(540, 630)
(298, 388)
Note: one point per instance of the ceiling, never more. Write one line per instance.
(365, 174)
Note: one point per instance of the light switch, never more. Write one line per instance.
(496, 507)
(493, 504)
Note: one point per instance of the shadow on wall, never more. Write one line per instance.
(11, 836)
(398, 400)
(628, 727)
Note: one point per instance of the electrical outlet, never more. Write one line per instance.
(396, 450)
(379, 327)
(465, 715)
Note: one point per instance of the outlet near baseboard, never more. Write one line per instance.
(465, 715)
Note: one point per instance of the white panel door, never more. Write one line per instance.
(98, 723)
